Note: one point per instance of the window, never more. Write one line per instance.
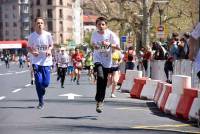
(38, 2)
(69, 29)
(61, 38)
(14, 16)
(61, 26)
(6, 16)
(61, 2)
(14, 24)
(69, 5)
(6, 24)
(69, 18)
(38, 13)
(7, 33)
(61, 13)
(49, 2)
(14, 7)
(49, 13)
(50, 26)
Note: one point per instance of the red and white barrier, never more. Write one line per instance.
(171, 104)
(179, 83)
(185, 102)
(193, 114)
(149, 89)
(138, 86)
(121, 79)
(129, 80)
(168, 90)
(158, 91)
(163, 92)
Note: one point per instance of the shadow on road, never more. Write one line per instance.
(29, 107)
(72, 118)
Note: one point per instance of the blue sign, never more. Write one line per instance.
(123, 39)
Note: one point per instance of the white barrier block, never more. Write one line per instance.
(129, 79)
(179, 82)
(194, 109)
(149, 89)
(171, 104)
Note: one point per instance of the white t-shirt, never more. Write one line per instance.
(104, 55)
(63, 60)
(41, 42)
(196, 34)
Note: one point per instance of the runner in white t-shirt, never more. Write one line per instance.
(40, 44)
(103, 40)
(194, 53)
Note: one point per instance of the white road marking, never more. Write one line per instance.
(16, 90)
(27, 85)
(2, 97)
(70, 95)
(21, 72)
(6, 74)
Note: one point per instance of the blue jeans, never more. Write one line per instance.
(42, 80)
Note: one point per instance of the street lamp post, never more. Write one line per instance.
(161, 10)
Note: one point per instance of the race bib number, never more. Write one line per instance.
(42, 48)
(79, 64)
(103, 49)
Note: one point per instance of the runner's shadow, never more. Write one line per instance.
(72, 118)
(29, 107)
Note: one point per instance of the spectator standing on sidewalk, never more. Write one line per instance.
(40, 44)
(103, 41)
(194, 51)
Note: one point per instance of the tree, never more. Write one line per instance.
(124, 16)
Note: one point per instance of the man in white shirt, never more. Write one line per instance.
(194, 51)
(40, 44)
(103, 40)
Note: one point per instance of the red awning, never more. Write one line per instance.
(13, 44)
(89, 18)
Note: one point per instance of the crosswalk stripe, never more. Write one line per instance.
(16, 90)
(2, 97)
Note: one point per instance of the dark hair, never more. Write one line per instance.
(38, 18)
(187, 34)
(131, 48)
(175, 34)
(77, 48)
(101, 19)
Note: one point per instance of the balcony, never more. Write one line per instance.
(24, 1)
(25, 19)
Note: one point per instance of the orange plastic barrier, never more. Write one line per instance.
(168, 90)
(185, 102)
(137, 87)
(158, 92)
(121, 79)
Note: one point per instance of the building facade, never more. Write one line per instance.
(63, 19)
(14, 19)
(60, 18)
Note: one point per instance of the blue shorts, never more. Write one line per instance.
(70, 69)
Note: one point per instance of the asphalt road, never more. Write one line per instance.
(77, 115)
